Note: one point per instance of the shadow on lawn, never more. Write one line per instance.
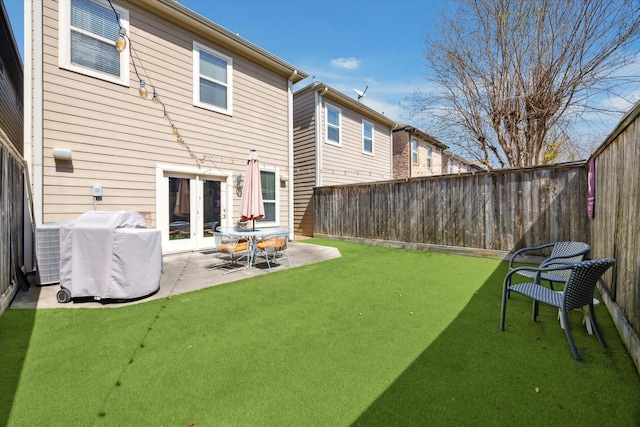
(435, 382)
(16, 329)
(474, 374)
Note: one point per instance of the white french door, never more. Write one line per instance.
(190, 206)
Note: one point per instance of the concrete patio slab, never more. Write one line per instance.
(183, 273)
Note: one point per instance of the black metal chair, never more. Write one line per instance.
(562, 253)
(577, 293)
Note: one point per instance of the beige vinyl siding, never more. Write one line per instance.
(304, 154)
(117, 139)
(347, 163)
(343, 164)
(421, 168)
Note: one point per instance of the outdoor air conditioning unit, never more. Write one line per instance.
(48, 253)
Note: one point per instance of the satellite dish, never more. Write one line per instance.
(361, 93)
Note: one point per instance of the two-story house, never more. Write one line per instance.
(337, 140)
(416, 153)
(456, 164)
(12, 189)
(147, 106)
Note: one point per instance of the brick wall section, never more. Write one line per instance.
(401, 155)
(403, 166)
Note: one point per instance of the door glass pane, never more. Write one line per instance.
(179, 209)
(211, 207)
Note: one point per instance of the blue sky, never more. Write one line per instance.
(345, 43)
(348, 44)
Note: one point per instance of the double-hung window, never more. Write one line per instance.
(268, 181)
(212, 78)
(367, 137)
(87, 33)
(333, 125)
(429, 153)
(414, 152)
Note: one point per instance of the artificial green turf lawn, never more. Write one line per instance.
(380, 336)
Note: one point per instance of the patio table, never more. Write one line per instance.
(253, 235)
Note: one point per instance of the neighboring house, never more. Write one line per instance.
(92, 142)
(456, 164)
(416, 153)
(337, 140)
(12, 189)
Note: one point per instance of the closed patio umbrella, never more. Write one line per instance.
(251, 205)
(182, 208)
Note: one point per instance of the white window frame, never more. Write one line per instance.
(364, 136)
(450, 165)
(429, 156)
(64, 44)
(414, 151)
(197, 47)
(276, 202)
(339, 126)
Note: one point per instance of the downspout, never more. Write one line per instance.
(29, 264)
(391, 151)
(319, 127)
(410, 131)
(33, 93)
(290, 160)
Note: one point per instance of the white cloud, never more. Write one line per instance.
(346, 63)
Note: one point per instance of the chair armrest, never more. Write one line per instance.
(537, 270)
(523, 250)
(559, 258)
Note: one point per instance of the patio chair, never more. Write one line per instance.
(274, 247)
(562, 253)
(577, 293)
(234, 248)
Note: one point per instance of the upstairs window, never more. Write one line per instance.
(212, 76)
(87, 34)
(367, 137)
(414, 152)
(450, 166)
(429, 153)
(333, 125)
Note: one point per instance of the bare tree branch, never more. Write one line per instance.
(514, 76)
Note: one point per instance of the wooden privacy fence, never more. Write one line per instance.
(499, 210)
(506, 210)
(11, 223)
(615, 228)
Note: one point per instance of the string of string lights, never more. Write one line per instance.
(123, 41)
